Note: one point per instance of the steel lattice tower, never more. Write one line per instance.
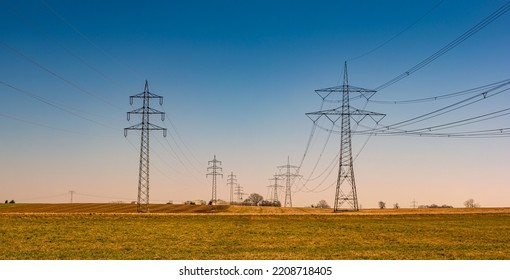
(345, 112)
(232, 181)
(238, 192)
(288, 181)
(145, 127)
(214, 168)
(275, 187)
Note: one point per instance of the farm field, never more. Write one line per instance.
(115, 231)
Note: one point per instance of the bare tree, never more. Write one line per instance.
(382, 205)
(255, 199)
(470, 203)
(396, 206)
(323, 204)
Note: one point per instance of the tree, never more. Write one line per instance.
(266, 203)
(255, 199)
(382, 205)
(395, 206)
(470, 203)
(12, 201)
(322, 204)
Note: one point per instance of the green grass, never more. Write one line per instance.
(131, 236)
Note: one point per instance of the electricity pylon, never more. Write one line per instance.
(214, 172)
(289, 178)
(232, 181)
(345, 113)
(275, 187)
(238, 192)
(145, 127)
(72, 193)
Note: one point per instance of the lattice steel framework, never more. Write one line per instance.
(214, 173)
(289, 178)
(145, 127)
(238, 192)
(275, 188)
(345, 113)
(232, 181)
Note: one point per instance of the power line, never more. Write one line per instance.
(37, 27)
(75, 29)
(39, 124)
(473, 30)
(52, 104)
(444, 96)
(438, 112)
(398, 34)
(53, 73)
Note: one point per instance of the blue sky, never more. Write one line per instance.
(237, 78)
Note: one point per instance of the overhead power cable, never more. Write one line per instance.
(449, 125)
(75, 29)
(53, 104)
(452, 107)
(39, 124)
(473, 30)
(444, 96)
(38, 28)
(398, 34)
(75, 85)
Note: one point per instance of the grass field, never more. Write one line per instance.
(115, 231)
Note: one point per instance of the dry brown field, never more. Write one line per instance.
(116, 231)
(115, 208)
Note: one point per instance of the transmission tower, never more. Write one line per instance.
(345, 113)
(145, 127)
(214, 172)
(413, 203)
(232, 181)
(72, 194)
(289, 178)
(274, 188)
(238, 192)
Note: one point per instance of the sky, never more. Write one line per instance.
(237, 78)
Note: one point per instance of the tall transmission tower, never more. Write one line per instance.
(232, 181)
(214, 173)
(275, 188)
(289, 178)
(345, 113)
(145, 127)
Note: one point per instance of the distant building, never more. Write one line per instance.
(200, 202)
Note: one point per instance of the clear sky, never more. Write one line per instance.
(237, 78)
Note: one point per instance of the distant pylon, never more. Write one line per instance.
(214, 172)
(238, 192)
(72, 193)
(274, 187)
(232, 181)
(413, 203)
(345, 112)
(289, 179)
(145, 127)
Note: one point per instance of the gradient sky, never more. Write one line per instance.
(237, 78)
